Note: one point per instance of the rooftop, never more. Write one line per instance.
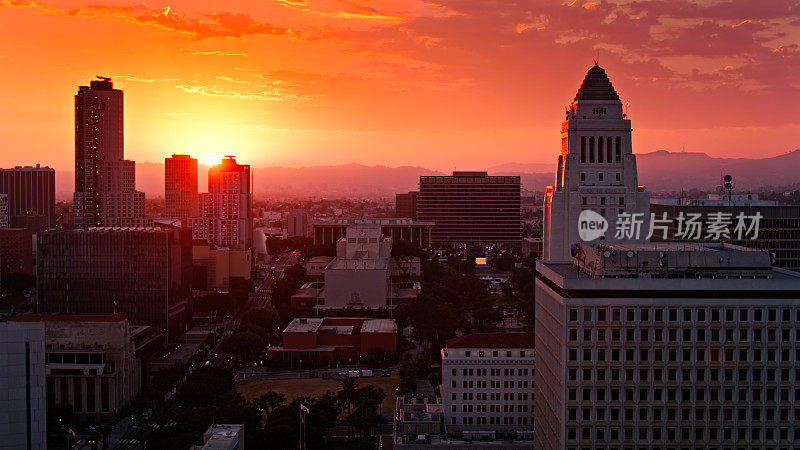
(492, 340)
(596, 86)
(58, 317)
(303, 325)
(379, 326)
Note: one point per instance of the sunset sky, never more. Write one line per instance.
(443, 84)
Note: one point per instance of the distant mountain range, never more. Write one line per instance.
(660, 171)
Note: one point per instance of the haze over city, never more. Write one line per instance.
(400, 82)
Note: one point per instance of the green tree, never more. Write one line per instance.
(265, 318)
(270, 401)
(245, 344)
(204, 384)
(348, 394)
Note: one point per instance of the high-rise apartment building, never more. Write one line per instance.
(4, 220)
(406, 205)
(180, 188)
(105, 183)
(488, 382)
(666, 345)
(91, 363)
(596, 171)
(31, 192)
(471, 208)
(22, 377)
(143, 273)
(225, 215)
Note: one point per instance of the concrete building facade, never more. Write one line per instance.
(23, 406)
(399, 229)
(666, 345)
(31, 192)
(143, 273)
(16, 251)
(225, 216)
(596, 170)
(471, 208)
(488, 382)
(298, 223)
(91, 363)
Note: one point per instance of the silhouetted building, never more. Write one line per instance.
(405, 205)
(143, 273)
(4, 221)
(105, 183)
(399, 229)
(666, 344)
(22, 386)
(31, 197)
(778, 229)
(180, 188)
(91, 362)
(471, 208)
(225, 216)
(596, 170)
(16, 251)
(297, 223)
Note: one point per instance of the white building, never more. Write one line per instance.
(359, 275)
(22, 386)
(298, 223)
(488, 382)
(596, 169)
(668, 344)
(223, 437)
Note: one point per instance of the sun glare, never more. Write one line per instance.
(212, 159)
(210, 145)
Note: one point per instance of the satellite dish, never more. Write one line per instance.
(630, 254)
(727, 178)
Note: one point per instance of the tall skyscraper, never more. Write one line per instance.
(471, 208)
(31, 194)
(143, 273)
(180, 188)
(22, 377)
(105, 183)
(666, 345)
(405, 205)
(225, 216)
(596, 169)
(4, 220)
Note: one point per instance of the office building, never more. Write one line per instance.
(225, 216)
(143, 273)
(105, 183)
(666, 345)
(471, 208)
(180, 188)
(298, 223)
(398, 229)
(405, 205)
(31, 192)
(16, 251)
(778, 229)
(596, 179)
(91, 362)
(22, 386)
(331, 339)
(214, 268)
(488, 382)
(223, 437)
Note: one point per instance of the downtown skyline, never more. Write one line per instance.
(296, 83)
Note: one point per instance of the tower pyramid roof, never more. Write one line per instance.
(596, 86)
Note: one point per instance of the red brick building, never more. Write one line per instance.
(330, 339)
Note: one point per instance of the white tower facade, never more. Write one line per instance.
(596, 171)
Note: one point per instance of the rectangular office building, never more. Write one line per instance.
(471, 208)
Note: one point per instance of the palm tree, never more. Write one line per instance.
(348, 393)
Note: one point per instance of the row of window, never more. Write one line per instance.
(639, 315)
(601, 149)
(686, 375)
(685, 394)
(685, 434)
(508, 396)
(496, 353)
(492, 372)
(691, 355)
(692, 415)
(491, 408)
(495, 384)
(742, 333)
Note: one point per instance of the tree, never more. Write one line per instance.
(408, 375)
(270, 401)
(204, 384)
(265, 318)
(348, 394)
(245, 344)
(376, 357)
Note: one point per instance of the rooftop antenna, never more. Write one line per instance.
(597, 60)
(103, 78)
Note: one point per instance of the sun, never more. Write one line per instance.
(209, 145)
(212, 159)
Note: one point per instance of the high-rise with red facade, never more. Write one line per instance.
(180, 187)
(225, 216)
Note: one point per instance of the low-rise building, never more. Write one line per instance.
(223, 437)
(399, 229)
(91, 362)
(487, 382)
(330, 339)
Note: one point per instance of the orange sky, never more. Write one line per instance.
(440, 83)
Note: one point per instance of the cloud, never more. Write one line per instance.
(214, 53)
(133, 78)
(270, 93)
(209, 25)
